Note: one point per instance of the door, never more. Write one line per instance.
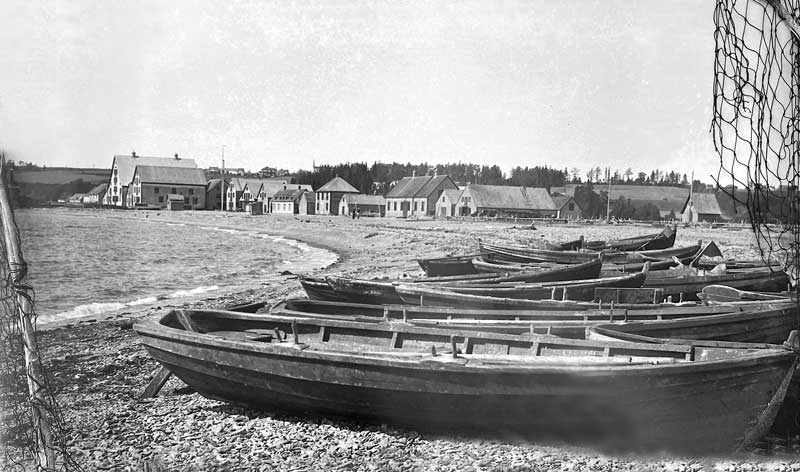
(404, 207)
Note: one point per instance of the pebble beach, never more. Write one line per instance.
(98, 369)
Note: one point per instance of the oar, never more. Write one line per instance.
(725, 293)
(163, 374)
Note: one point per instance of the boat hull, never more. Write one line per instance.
(693, 407)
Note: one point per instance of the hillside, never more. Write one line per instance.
(37, 186)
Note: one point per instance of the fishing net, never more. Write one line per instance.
(31, 426)
(756, 122)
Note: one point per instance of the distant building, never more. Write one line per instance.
(567, 207)
(76, 198)
(287, 201)
(417, 196)
(364, 205)
(701, 207)
(214, 194)
(95, 195)
(329, 195)
(493, 200)
(307, 204)
(159, 186)
(447, 204)
(668, 200)
(122, 168)
(268, 172)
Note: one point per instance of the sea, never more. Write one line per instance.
(86, 262)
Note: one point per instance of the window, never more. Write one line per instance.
(194, 200)
(174, 190)
(155, 190)
(571, 206)
(415, 206)
(115, 180)
(421, 206)
(191, 191)
(160, 199)
(395, 205)
(388, 206)
(115, 171)
(185, 199)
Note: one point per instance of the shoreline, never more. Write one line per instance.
(97, 369)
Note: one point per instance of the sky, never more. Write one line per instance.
(569, 83)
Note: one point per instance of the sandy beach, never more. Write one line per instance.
(98, 368)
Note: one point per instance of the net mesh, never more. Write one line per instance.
(21, 430)
(756, 123)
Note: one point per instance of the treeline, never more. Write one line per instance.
(379, 177)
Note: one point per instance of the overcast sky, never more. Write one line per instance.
(571, 83)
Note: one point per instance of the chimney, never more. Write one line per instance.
(176, 157)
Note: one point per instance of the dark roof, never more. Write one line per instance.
(353, 199)
(310, 197)
(126, 165)
(508, 197)
(338, 184)
(419, 187)
(171, 175)
(213, 183)
(288, 195)
(705, 203)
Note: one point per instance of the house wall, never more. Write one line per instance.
(328, 202)
(566, 213)
(345, 208)
(114, 193)
(213, 201)
(194, 196)
(289, 208)
(394, 207)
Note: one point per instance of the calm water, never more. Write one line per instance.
(85, 262)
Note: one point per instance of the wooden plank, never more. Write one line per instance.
(156, 383)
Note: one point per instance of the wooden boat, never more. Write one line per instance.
(686, 287)
(340, 289)
(688, 398)
(661, 240)
(580, 290)
(453, 265)
(559, 323)
(548, 272)
(573, 245)
(527, 255)
(765, 322)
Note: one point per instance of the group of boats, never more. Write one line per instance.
(631, 344)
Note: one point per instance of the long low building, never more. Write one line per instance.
(158, 186)
(491, 200)
(365, 205)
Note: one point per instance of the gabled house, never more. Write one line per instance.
(491, 200)
(95, 195)
(447, 204)
(287, 201)
(122, 168)
(329, 195)
(160, 186)
(242, 193)
(567, 207)
(214, 194)
(363, 205)
(417, 196)
(701, 207)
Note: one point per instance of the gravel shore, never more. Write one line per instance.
(98, 370)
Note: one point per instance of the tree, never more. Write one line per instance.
(628, 174)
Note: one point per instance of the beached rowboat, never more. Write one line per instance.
(628, 396)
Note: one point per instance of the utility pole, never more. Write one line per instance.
(222, 182)
(608, 203)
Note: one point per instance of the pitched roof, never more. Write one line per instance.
(705, 203)
(213, 183)
(452, 194)
(508, 197)
(99, 190)
(171, 175)
(666, 199)
(562, 200)
(289, 194)
(338, 184)
(127, 164)
(361, 199)
(418, 187)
